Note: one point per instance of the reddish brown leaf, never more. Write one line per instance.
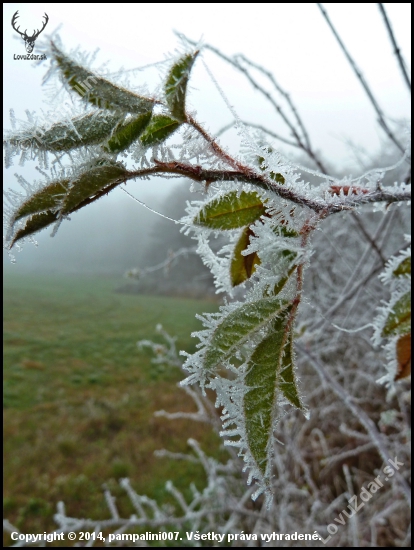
(347, 189)
(251, 259)
(403, 357)
(242, 267)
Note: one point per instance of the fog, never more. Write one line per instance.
(107, 237)
(292, 40)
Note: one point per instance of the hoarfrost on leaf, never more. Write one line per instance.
(258, 203)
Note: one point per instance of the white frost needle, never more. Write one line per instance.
(152, 210)
(368, 325)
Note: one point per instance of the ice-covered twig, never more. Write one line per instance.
(359, 413)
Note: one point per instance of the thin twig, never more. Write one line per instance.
(353, 522)
(397, 50)
(308, 150)
(282, 92)
(224, 129)
(215, 146)
(361, 78)
(257, 127)
(299, 143)
(359, 413)
(368, 237)
(348, 291)
(346, 454)
(270, 133)
(304, 145)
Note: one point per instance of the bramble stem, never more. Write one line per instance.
(197, 173)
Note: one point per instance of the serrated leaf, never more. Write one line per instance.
(403, 350)
(399, 320)
(98, 90)
(242, 267)
(176, 85)
(288, 384)
(288, 255)
(82, 130)
(280, 285)
(34, 224)
(64, 198)
(231, 211)
(238, 326)
(88, 129)
(404, 269)
(45, 199)
(260, 400)
(89, 183)
(64, 195)
(158, 130)
(127, 133)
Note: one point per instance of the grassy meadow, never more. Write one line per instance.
(79, 397)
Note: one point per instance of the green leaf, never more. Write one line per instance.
(242, 267)
(65, 195)
(287, 255)
(64, 198)
(127, 133)
(48, 198)
(404, 269)
(89, 183)
(260, 400)
(97, 90)
(288, 384)
(158, 130)
(176, 85)
(399, 320)
(231, 211)
(35, 223)
(278, 178)
(279, 286)
(238, 326)
(82, 130)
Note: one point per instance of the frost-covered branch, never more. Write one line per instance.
(137, 273)
(303, 142)
(352, 198)
(284, 256)
(359, 413)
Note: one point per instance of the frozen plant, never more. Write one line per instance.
(264, 203)
(304, 502)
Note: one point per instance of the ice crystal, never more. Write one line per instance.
(396, 276)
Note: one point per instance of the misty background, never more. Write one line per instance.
(292, 40)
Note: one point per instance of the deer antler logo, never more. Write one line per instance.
(29, 41)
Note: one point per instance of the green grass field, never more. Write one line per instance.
(79, 397)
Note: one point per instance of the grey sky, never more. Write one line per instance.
(290, 39)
